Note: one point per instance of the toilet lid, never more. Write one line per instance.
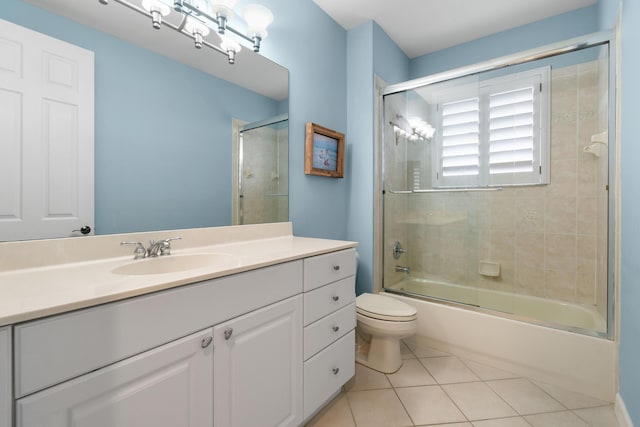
(384, 308)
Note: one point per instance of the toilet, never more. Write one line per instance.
(382, 322)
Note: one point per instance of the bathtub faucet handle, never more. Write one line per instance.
(398, 250)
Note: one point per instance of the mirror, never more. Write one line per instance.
(164, 114)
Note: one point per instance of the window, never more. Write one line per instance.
(494, 132)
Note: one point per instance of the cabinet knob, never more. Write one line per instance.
(335, 371)
(336, 328)
(227, 333)
(206, 342)
(336, 268)
(335, 297)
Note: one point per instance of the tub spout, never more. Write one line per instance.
(402, 269)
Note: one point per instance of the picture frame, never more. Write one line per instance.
(324, 152)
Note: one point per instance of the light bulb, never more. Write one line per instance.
(223, 9)
(197, 29)
(157, 9)
(258, 19)
(231, 47)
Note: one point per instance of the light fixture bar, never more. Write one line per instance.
(188, 10)
(180, 5)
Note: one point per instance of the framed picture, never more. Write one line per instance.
(324, 152)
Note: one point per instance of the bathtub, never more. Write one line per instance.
(546, 311)
(577, 362)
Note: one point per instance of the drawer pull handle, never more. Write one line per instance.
(335, 297)
(336, 268)
(206, 342)
(227, 333)
(335, 371)
(336, 328)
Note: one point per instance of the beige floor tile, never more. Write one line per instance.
(602, 416)
(420, 347)
(429, 405)
(377, 408)
(568, 398)
(449, 425)
(477, 401)
(555, 419)
(412, 373)
(335, 414)
(488, 373)
(405, 352)
(524, 396)
(502, 422)
(448, 369)
(368, 379)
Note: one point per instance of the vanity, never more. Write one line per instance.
(239, 326)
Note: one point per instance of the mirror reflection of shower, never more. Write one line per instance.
(260, 171)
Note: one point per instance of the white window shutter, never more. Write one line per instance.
(460, 141)
(497, 135)
(511, 122)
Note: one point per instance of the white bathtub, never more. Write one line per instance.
(551, 312)
(577, 362)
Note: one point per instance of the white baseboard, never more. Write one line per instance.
(624, 420)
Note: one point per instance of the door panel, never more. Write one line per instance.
(47, 128)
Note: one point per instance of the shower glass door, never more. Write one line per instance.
(262, 193)
(496, 189)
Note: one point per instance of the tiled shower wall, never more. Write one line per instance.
(265, 175)
(549, 240)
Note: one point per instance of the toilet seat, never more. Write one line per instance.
(384, 308)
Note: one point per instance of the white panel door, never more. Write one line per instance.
(258, 368)
(46, 135)
(171, 385)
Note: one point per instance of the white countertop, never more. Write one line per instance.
(38, 291)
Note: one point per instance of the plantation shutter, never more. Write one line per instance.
(460, 156)
(511, 132)
(496, 133)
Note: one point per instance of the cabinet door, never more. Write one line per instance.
(5, 377)
(168, 386)
(258, 368)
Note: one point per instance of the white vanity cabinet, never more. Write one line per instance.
(167, 386)
(6, 364)
(329, 322)
(265, 347)
(258, 367)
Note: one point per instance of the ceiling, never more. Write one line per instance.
(419, 27)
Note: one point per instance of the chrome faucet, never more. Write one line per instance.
(161, 246)
(402, 269)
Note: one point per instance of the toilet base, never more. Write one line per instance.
(380, 354)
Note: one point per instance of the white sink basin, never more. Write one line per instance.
(175, 263)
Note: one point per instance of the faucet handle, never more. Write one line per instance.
(139, 251)
(165, 245)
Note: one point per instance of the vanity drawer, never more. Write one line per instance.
(327, 371)
(322, 269)
(320, 334)
(327, 299)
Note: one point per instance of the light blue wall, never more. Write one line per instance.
(313, 47)
(370, 52)
(630, 227)
(557, 28)
(155, 168)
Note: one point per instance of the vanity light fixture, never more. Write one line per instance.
(419, 129)
(200, 16)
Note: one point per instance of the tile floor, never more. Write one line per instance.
(438, 389)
